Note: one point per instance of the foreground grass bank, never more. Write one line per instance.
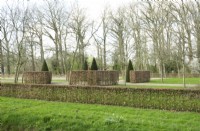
(23, 114)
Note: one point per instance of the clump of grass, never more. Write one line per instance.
(114, 119)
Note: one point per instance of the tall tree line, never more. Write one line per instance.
(150, 33)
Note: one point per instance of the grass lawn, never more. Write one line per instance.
(176, 81)
(23, 114)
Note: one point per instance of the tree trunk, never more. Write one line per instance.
(190, 53)
(61, 56)
(8, 52)
(1, 58)
(32, 57)
(57, 60)
(104, 45)
(41, 48)
(121, 50)
(8, 60)
(65, 57)
(17, 68)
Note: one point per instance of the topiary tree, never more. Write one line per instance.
(44, 66)
(94, 65)
(130, 67)
(85, 65)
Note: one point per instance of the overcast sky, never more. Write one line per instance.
(93, 7)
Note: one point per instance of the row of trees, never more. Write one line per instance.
(150, 33)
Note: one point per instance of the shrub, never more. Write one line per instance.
(130, 67)
(164, 99)
(44, 66)
(85, 65)
(172, 66)
(94, 65)
(116, 65)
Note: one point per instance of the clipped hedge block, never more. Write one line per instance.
(93, 77)
(164, 99)
(139, 76)
(41, 77)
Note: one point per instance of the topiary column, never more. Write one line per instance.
(130, 67)
(44, 66)
(94, 65)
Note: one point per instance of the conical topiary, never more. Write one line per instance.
(130, 67)
(44, 66)
(94, 65)
(85, 65)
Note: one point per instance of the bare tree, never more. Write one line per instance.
(184, 16)
(118, 30)
(157, 22)
(18, 18)
(105, 27)
(37, 26)
(139, 38)
(195, 12)
(7, 33)
(101, 37)
(55, 19)
(80, 27)
(1, 56)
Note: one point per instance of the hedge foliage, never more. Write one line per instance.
(130, 67)
(94, 65)
(139, 76)
(94, 77)
(37, 77)
(166, 99)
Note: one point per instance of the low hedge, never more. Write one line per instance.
(139, 76)
(94, 77)
(167, 99)
(37, 77)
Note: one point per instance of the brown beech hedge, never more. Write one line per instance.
(37, 77)
(139, 76)
(94, 77)
(166, 99)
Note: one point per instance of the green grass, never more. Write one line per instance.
(176, 81)
(22, 114)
